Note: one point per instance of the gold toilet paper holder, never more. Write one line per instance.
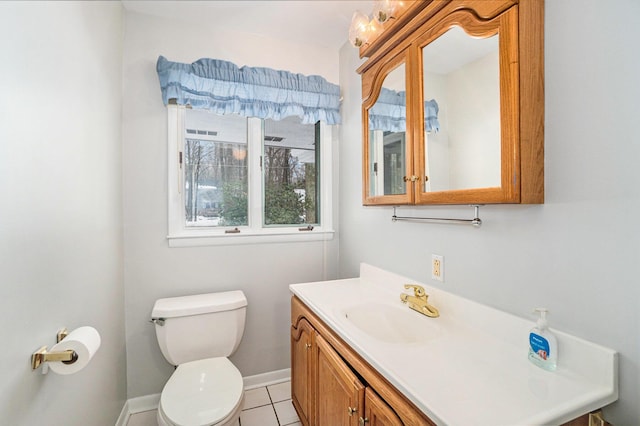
(41, 355)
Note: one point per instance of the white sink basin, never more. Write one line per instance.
(390, 323)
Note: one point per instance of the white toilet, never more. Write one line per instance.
(197, 334)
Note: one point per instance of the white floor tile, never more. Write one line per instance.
(145, 418)
(280, 392)
(256, 398)
(285, 412)
(261, 416)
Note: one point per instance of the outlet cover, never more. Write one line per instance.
(437, 267)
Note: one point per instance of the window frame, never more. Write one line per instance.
(179, 235)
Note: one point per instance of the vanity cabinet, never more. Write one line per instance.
(352, 334)
(332, 385)
(453, 105)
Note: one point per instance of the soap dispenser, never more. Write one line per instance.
(543, 346)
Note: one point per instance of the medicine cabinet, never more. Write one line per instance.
(453, 105)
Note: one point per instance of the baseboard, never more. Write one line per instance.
(266, 379)
(123, 418)
(150, 402)
(143, 403)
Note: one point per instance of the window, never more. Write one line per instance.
(234, 179)
(214, 170)
(290, 162)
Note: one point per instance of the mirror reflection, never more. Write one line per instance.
(462, 78)
(387, 147)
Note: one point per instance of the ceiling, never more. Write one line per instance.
(323, 23)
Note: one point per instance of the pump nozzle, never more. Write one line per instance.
(542, 321)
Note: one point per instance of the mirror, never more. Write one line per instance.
(387, 128)
(461, 81)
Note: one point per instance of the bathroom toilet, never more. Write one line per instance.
(197, 334)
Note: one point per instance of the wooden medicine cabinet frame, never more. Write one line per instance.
(520, 25)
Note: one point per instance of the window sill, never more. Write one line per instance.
(265, 236)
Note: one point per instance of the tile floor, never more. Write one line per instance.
(265, 406)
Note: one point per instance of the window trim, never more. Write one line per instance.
(181, 236)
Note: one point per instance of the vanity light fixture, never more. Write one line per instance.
(362, 28)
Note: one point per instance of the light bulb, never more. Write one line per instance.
(383, 10)
(373, 29)
(358, 31)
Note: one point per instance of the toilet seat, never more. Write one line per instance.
(202, 393)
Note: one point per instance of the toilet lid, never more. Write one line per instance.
(201, 393)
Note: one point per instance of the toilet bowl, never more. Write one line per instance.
(197, 334)
(202, 393)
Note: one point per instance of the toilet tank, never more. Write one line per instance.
(200, 326)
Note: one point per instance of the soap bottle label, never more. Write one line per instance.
(539, 346)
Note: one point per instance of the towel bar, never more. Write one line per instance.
(476, 222)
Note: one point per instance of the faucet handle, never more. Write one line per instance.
(418, 291)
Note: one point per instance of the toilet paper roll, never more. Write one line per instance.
(85, 341)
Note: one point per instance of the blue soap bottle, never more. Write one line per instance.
(543, 345)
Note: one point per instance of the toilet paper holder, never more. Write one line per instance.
(41, 355)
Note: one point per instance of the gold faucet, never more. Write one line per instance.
(418, 302)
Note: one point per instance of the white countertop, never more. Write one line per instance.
(474, 369)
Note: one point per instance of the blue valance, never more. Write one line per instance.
(389, 113)
(224, 88)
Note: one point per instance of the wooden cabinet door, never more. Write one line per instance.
(340, 394)
(377, 412)
(302, 370)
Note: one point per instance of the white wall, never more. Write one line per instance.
(578, 253)
(152, 270)
(61, 218)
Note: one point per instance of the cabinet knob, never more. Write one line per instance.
(307, 345)
(351, 410)
(363, 421)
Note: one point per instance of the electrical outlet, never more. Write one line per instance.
(437, 267)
